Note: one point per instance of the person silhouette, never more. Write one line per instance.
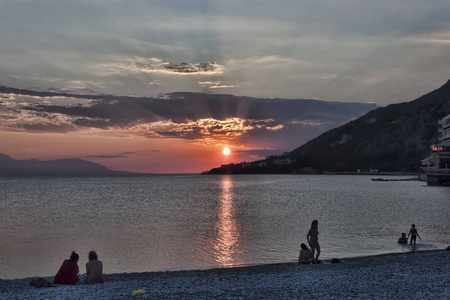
(68, 272)
(305, 256)
(403, 239)
(94, 269)
(414, 234)
(313, 238)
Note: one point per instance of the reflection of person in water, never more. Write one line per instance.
(313, 238)
(413, 233)
(306, 255)
(403, 239)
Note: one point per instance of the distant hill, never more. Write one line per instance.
(393, 138)
(59, 167)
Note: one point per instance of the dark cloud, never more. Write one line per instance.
(6, 117)
(183, 107)
(190, 116)
(106, 156)
(190, 68)
(96, 123)
(120, 155)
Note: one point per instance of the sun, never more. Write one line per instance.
(226, 151)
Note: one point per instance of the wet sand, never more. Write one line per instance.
(411, 275)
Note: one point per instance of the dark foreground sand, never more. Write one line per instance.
(412, 275)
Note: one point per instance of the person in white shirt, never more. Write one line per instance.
(94, 269)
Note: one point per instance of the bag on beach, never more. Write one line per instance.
(41, 282)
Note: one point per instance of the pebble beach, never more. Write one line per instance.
(410, 275)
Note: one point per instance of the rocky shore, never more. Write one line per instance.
(412, 275)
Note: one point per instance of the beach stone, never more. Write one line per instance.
(385, 276)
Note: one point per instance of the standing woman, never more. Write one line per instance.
(313, 238)
(68, 272)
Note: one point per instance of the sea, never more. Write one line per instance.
(145, 223)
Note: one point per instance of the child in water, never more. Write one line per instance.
(403, 239)
(413, 233)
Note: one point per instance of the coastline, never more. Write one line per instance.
(406, 275)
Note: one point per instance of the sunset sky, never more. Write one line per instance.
(135, 53)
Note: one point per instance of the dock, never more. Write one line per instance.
(438, 179)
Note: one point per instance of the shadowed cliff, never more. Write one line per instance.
(393, 138)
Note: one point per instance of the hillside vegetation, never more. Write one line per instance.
(391, 139)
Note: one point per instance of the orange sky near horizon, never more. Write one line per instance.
(175, 133)
(133, 154)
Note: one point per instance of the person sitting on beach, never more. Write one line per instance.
(68, 272)
(413, 233)
(94, 269)
(403, 239)
(306, 255)
(313, 238)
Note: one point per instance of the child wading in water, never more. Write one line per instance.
(413, 233)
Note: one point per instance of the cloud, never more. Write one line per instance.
(189, 68)
(119, 65)
(107, 156)
(285, 49)
(442, 40)
(216, 85)
(201, 118)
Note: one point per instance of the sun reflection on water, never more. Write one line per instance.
(227, 241)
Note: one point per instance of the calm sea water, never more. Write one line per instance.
(182, 222)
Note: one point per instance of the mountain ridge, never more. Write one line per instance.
(57, 167)
(393, 139)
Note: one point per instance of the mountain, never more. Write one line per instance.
(392, 138)
(59, 167)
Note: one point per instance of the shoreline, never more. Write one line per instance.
(412, 275)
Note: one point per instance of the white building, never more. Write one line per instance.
(445, 129)
(440, 152)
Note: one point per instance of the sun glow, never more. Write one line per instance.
(226, 151)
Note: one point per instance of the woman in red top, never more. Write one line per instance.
(68, 272)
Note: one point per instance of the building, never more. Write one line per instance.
(445, 138)
(440, 152)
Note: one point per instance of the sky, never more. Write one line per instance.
(269, 54)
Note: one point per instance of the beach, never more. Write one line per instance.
(410, 275)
